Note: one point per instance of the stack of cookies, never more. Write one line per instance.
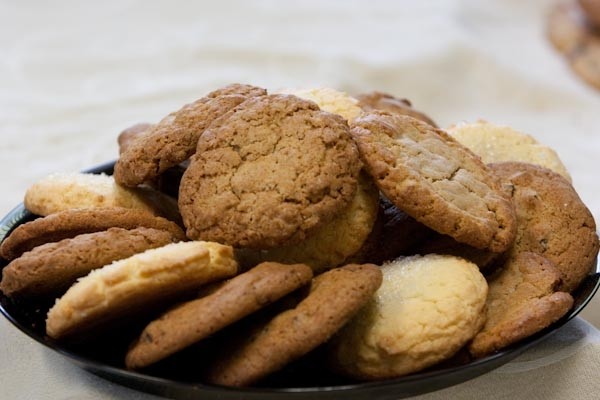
(307, 221)
(574, 30)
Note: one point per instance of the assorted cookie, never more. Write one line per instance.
(305, 225)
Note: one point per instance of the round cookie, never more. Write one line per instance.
(426, 309)
(51, 268)
(195, 320)
(335, 296)
(131, 134)
(268, 173)
(329, 100)
(435, 180)
(497, 143)
(70, 223)
(173, 140)
(127, 286)
(386, 102)
(64, 191)
(522, 300)
(331, 244)
(551, 220)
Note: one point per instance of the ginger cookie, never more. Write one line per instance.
(335, 296)
(64, 191)
(195, 320)
(72, 222)
(51, 268)
(426, 309)
(272, 170)
(173, 140)
(551, 220)
(127, 286)
(571, 32)
(522, 300)
(435, 180)
(131, 134)
(497, 143)
(331, 244)
(386, 102)
(329, 100)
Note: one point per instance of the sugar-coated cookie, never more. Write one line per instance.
(132, 284)
(330, 100)
(426, 309)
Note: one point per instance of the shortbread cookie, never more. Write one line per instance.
(131, 134)
(127, 286)
(498, 143)
(552, 220)
(522, 300)
(591, 9)
(426, 309)
(273, 169)
(174, 138)
(435, 180)
(394, 105)
(51, 268)
(331, 244)
(334, 298)
(330, 100)
(195, 320)
(64, 191)
(70, 223)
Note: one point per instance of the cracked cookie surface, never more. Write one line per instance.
(267, 173)
(435, 180)
(522, 300)
(551, 220)
(173, 140)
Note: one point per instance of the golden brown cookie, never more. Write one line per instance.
(64, 191)
(570, 31)
(70, 223)
(498, 143)
(334, 298)
(195, 320)
(173, 140)
(127, 286)
(551, 220)
(435, 180)
(51, 268)
(129, 135)
(331, 244)
(522, 300)
(426, 309)
(394, 105)
(271, 171)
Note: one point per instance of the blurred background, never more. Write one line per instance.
(74, 74)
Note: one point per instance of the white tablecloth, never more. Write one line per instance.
(73, 74)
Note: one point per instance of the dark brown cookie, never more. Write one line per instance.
(387, 102)
(334, 298)
(51, 268)
(551, 220)
(173, 140)
(70, 223)
(268, 172)
(442, 244)
(195, 320)
(522, 300)
(131, 134)
(435, 180)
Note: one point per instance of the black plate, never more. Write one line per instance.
(302, 380)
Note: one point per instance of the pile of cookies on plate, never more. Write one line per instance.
(307, 219)
(574, 30)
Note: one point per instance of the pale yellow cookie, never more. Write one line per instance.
(331, 244)
(128, 286)
(497, 143)
(426, 309)
(329, 100)
(63, 191)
